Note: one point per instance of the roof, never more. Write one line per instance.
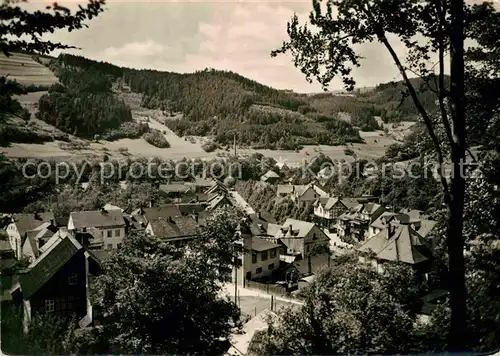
(98, 218)
(270, 174)
(381, 221)
(214, 202)
(319, 190)
(259, 244)
(349, 202)
(371, 208)
(5, 246)
(47, 265)
(285, 189)
(62, 221)
(174, 188)
(163, 211)
(173, 227)
(217, 187)
(112, 207)
(426, 226)
(190, 208)
(400, 246)
(241, 203)
(27, 222)
(300, 228)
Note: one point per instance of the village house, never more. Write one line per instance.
(270, 177)
(397, 243)
(301, 193)
(35, 239)
(258, 259)
(57, 282)
(177, 229)
(177, 190)
(22, 223)
(328, 209)
(418, 222)
(353, 226)
(109, 224)
(302, 238)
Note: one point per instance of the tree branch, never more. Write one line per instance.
(423, 113)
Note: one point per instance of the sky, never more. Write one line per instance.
(229, 35)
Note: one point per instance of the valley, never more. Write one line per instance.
(27, 71)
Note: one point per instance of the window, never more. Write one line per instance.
(271, 266)
(72, 279)
(49, 305)
(117, 233)
(258, 270)
(254, 258)
(273, 253)
(110, 233)
(84, 229)
(264, 255)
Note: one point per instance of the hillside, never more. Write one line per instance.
(25, 70)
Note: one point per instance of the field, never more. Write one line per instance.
(27, 71)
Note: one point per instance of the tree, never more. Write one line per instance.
(157, 299)
(424, 27)
(19, 24)
(348, 309)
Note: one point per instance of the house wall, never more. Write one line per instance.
(117, 234)
(68, 299)
(28, 251)
(14, 239)
(302, 244)
(309, 195)
(262, 264)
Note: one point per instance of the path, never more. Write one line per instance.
(245, 292)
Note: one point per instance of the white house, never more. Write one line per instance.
(110, 223)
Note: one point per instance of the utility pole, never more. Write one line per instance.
(234, 142)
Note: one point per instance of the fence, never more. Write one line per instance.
(271, 289)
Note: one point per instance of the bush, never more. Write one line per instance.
(348, 152)
(126, 130)
(73, 145)
(209, 146)
(156, 138)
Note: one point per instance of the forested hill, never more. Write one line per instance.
(213, 103)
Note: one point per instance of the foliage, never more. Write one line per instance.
(209, 146)
(339, 305)
(47, 334)
(156, 299)
(156, 138)
(84, 106)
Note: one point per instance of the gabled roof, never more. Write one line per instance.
(163, 211)
(190, 208)
(259, 244)
(217, 187)
(399, 246)
(27, 222)
(214, 202)
(174, 227)
(426, 226)
(350, 203)
(241, 203)
(174, 188)
(103, 218)
(48, 264)
(299, 228)
(270, 174)
(382, 220)
(320, 190)
(109, 206)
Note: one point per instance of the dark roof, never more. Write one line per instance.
(259, 244)
(27, 222)
(62, 221)
(190, 208)
(47, 265)
(163, 211)
(173, 227)
(97, 218)
(175, 188)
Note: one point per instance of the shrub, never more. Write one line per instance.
(348, 152)
(156, 138)
(209, 146)
(126, 130)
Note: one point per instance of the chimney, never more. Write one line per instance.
(37, 216)
(103, 210)
(52, 222)
(150, 203)
(195, 215)
(260, 215)
(290, 229)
